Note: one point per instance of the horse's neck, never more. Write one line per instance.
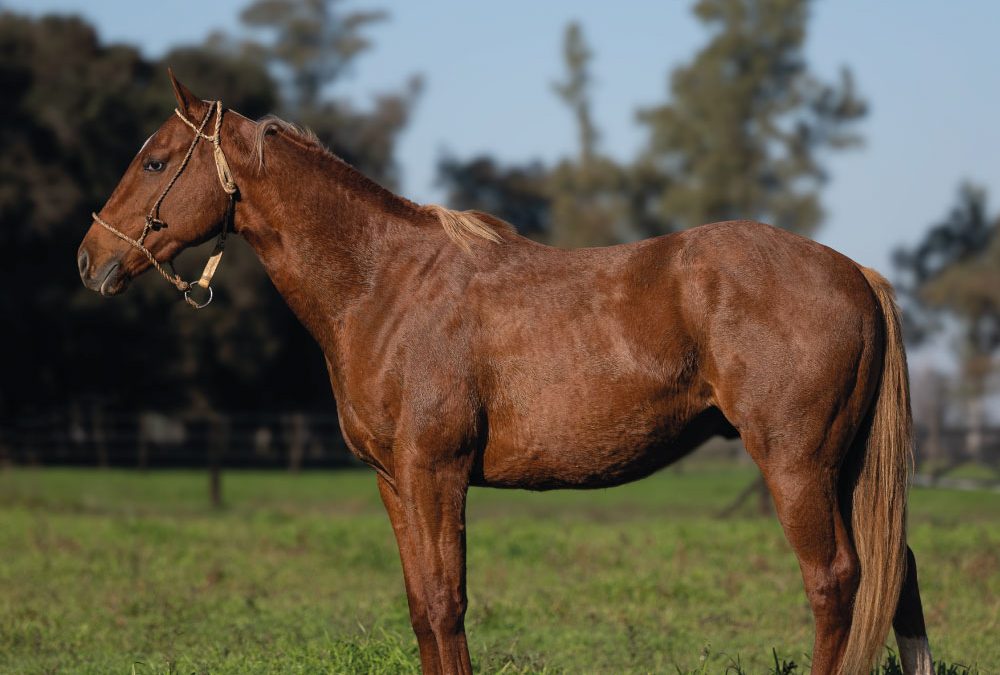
(321, 231)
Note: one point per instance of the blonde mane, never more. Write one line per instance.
(273, 123)
(460, 226)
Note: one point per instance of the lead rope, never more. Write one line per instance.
(153, 221)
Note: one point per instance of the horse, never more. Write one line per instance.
(462, 354)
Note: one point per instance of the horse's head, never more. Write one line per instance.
(176, 193)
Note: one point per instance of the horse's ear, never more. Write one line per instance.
(189, 104)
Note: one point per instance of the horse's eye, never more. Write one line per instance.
(153, 165)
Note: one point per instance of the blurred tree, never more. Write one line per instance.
(953, 247)
(221, 73)
(517, 193)
(72, 112)
(741, 133)
(931, 395)
(311, 46)
(741, 137)
(75, 113)
(588, 191)
(582, 201)
(574, 91)
(366, 139)
(954, 273)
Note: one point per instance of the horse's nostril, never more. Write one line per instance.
(83, 262)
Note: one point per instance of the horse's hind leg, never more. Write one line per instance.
(908, 624)
(803, 483)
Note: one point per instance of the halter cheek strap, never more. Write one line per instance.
(153, 221)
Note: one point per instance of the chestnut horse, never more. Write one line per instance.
(463, 354)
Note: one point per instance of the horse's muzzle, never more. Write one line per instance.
(107, 279)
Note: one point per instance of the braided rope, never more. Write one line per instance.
(221, 165)
(154, 212)
(152, 218)
(175, 279)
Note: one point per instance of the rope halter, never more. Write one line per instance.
(153, 221)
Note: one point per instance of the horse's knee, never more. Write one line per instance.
(847, 571)
(446, 613)
(418, 614)
(832, 587)
(421, 623)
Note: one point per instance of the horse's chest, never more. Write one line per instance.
(368, 431)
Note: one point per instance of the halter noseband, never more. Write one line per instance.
(153, 221)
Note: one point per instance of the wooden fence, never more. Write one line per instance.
(295, 440)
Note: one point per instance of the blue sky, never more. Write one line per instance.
(929, 70)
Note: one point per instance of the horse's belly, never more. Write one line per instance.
(612, 409)
(585, 451)
(551, 468)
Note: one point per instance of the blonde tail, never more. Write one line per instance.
(878, 513)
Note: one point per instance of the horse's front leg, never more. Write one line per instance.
(430, 662)
(431, 497)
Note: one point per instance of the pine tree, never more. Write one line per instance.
(516, 193)
(575, 90)
(954, 272)
(310, 45)
(742, 132)
(587, 191)
(77, 110)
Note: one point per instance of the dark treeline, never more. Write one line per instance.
(742, 132)
(75, 113)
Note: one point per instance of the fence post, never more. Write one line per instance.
(217, 442)
(142, 443)
(6, 456)
(296, 441)
(99, 434)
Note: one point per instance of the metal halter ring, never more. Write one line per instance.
(195, 304)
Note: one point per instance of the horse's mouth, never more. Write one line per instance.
(115, 281)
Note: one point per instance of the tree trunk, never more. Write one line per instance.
(974, 432)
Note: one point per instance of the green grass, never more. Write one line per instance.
(114, 571)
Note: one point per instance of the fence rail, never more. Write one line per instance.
(298, 439)
(292, 440)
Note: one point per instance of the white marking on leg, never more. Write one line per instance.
(915, 655)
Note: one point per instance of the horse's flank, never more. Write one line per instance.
(462, 227)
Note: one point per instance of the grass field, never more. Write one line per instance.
(121, 572)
